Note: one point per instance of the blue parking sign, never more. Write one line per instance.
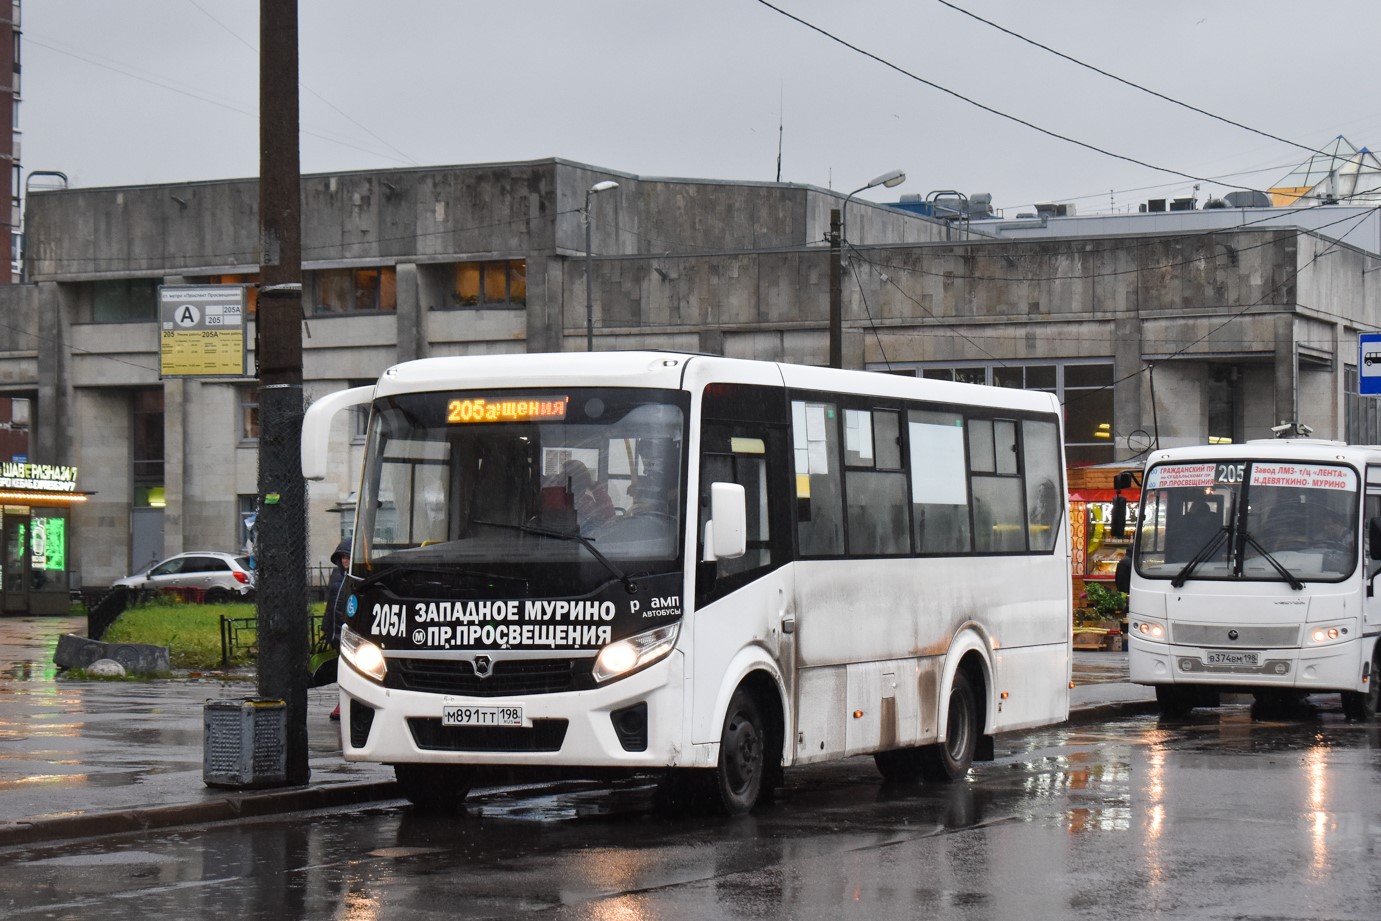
(1369, 363)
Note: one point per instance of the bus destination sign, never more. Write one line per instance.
(532, 409)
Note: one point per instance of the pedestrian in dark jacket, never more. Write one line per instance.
(337, 595)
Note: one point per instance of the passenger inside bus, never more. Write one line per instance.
(579, 489)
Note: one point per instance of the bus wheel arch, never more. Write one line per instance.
(751, 745)
(962, 720)
(1362, 706)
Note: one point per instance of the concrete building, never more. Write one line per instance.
(1147, 333)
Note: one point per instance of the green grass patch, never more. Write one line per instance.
(192, 632)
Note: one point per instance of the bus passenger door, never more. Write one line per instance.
(1371, 607)
(745, 602)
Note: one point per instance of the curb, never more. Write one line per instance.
(221, 809)
(233, 806)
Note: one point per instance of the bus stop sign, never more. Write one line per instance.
(1369, 364)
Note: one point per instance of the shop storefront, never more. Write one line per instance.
(1096, 548)
(36, 537)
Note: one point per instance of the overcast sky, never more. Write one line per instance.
(152, 91)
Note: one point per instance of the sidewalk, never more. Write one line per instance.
(81, 758)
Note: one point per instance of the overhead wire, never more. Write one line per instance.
(1130, 83)
(337, 109)
(990, 109)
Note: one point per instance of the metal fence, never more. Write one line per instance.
(240, 636)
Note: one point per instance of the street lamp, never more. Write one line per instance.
(891, 179)
(595, 189)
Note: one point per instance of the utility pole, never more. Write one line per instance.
(836, 291)
(281, 526)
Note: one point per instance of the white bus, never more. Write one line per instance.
(1250, 574)
(701, 567)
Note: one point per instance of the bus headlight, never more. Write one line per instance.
(634, 652)
(367, 658)
(1148, 631)
(1328, 634)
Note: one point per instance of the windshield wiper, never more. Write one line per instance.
(392, 569)
(1286, 574)
(1206, 551)
(568, 535)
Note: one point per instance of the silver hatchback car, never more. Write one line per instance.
(220, 576)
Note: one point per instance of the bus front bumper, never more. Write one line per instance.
(571, 729)
(1334, 667)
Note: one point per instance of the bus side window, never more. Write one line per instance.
(819, 492)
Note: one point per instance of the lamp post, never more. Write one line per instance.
(595, 189)
(890, 179)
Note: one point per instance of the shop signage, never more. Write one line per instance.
(38, 477)
(202, 330)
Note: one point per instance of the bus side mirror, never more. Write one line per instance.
(1119, 517)
(726, 533)
(1374, 538)
(1122, 577)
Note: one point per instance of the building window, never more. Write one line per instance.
(490, 284)
(355, 290)
(1223, 386)
(146, 447)
(125, 300)
(248, 413)
(1085, 388)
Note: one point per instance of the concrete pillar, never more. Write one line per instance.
(1128, 371)
(53, 416)
(1286, 368)
(412, 313)
(544, 304)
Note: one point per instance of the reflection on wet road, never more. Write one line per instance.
(1222, 815)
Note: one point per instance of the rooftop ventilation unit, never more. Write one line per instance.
(1056, 209)
(1248, 199)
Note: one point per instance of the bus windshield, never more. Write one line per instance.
(1253, 519)
(481, 485)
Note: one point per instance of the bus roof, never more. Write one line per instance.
(681, 370)
(1302, 449)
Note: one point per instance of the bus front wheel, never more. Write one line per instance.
(742, 755)
(440, 787)
(1361, 706)
(950, 760)
(1175, 700)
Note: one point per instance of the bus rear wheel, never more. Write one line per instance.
(950, 760)
(742, 766)
(440, 787)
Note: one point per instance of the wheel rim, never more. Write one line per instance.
(743, 758)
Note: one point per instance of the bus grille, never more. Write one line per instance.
(1248, 637)
(542, 736)
(508, 678)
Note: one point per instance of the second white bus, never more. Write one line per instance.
(704, 568)
(1253, 571)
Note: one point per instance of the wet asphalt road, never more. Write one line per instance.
(1223, 815)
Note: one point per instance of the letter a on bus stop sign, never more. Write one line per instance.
(1369, 363)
